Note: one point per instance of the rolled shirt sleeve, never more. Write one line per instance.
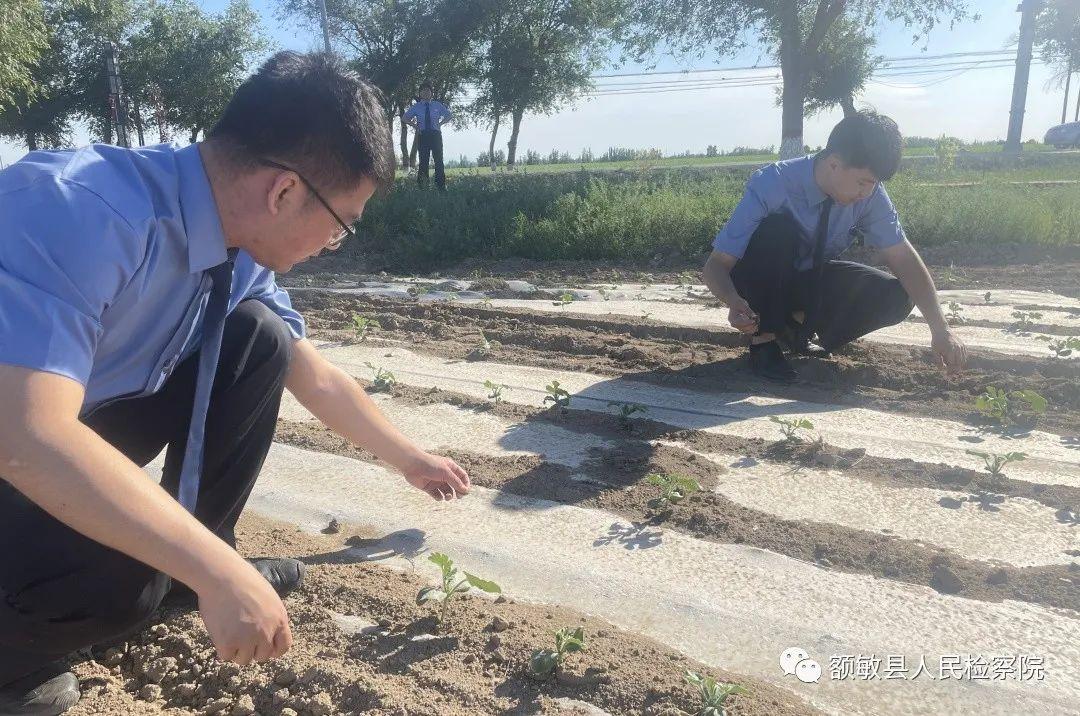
(757, 202)
(880, 223)
(57, 278)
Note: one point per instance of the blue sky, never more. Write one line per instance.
(973, 105)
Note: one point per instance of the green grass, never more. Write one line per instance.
(635, 215)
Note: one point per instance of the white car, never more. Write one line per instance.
(1064, 136)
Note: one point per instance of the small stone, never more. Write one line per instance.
(499, 624)
(244, 707)
(494, 642)
(332, 528)
(321, 705)
(288, 712)
(150, 692)
(285, 677)
(185, 690)
(217, 706)
(386, 623)
(158, 630)
(947, 581)
(500, 599)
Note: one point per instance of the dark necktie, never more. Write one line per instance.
(217, 307)
(821, 237)
(427, 115)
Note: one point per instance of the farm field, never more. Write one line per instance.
(874, 532)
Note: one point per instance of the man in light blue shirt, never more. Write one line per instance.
(427, 116)
(774, 263)
(138, 311)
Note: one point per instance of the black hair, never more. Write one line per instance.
(867, 140)
(313, 112)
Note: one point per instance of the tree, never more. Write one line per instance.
(23, 40)
(793, 30)
(845, 64)
(1057, 34)
(540, 55)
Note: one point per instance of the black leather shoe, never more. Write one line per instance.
(46, 692)
(767, 361)
(284, 574)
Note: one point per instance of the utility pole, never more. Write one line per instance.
(1028, 9)
(117, 106)
(325, 25)
(1065, 104)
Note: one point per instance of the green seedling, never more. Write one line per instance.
(384, 379)
(713, 694)
(419, 290)
(790, 427)
(673, 488)
(626, 413)
(1006, 406)
(486, 302)
(996, 463)
(604, 294)
(545, 662)
(557, 395)
(954, 314)
(986, 297)
(484, 348)
(454, 582)
(564, 299)
(1025, 320)
(496, 391)
(686, 279)
(950, 275)
(363, 324)
(1065, 347)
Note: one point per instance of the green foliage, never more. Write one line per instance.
(1006, 406)
(714, 695)
(557, 395)
(947, 149)
(1025, 320)
(994, 463)
(545, 662)
(383, 380)
(484, 347)
(24, 39)
(454, 582)
(986, 297)
(565, 298)
(790, 426)
(626, 413)
(495, 391)
(362, 324)
(1064, 348)
(954, 314)
(673, 488)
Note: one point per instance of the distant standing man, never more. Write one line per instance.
(427, 116)
(775, 261)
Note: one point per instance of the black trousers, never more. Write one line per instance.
(61, 591)
(431, 144)
(854, 299)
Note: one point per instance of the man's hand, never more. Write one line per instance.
(440, 477)
(742, 317)
(950, 351)
(245, 618)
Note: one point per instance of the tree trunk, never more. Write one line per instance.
(136, 111)
(403, 140)
(107, 129)
(31, 142)
(414, 149)
(1076, 117)
(194, 134)
(511, 146)
(1065, 104)
(848, 104)
(793, 68)
(491, 144)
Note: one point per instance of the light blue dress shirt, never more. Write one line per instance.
(103, 259)
(438, 111)
(789, 187)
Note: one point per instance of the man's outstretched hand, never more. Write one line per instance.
(439, 476)
(950, 351)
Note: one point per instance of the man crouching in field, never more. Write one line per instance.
(774, 262)
(139, 310)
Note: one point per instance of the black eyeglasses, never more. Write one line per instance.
(346, 230)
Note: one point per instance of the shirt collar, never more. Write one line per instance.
(202, 223)
(814, 194)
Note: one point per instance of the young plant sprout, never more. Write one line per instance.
(557, 395)
(954, 315)
(626, 413)
(604, 294)
(419, 290)
(496, 391)
(483, 349)
(673, 488)
(790, 426)
(361, 326)
(986, 297)
(545, 662)
(454, 582)
(1005, 407)
(486, 302)
(996, 463)
(1065, 347)
(713, 694)
(384, 379)
(565, 298)
(1025, 320)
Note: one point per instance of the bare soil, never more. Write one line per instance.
(362, 645)
(883, 377)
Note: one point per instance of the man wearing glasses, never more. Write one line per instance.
(139, 311)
